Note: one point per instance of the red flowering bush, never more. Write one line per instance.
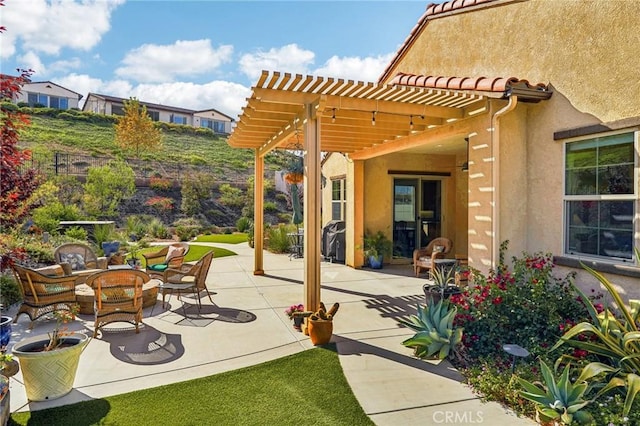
(525, 304)
(160, 184)
(161, 204)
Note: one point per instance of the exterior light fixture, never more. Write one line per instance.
(333, 117)
(465, 165)
(373, 118)
(411, 122)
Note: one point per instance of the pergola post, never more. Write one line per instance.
(258, 214)
(312, 203)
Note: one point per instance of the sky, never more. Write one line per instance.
(199, 54)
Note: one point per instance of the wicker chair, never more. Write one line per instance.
(69, 252)
(117, 297)
(423, 257)
(188, 279)
(43, 294)
(158, 262)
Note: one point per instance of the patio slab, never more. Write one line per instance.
(247, 326)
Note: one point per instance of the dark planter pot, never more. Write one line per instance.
(297, 322)
(375, 262)
(5, 331)
(434, 292)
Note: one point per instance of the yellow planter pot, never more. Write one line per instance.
(49, 375)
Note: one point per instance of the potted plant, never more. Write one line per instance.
(5, 331)
(295, 313)
(133, 259)
(320, 326)
(49, 363)
(442, 284)
(376, 246)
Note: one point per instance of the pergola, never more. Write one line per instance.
(362, 120)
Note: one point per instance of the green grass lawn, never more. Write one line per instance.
(194, 254)
(307, 388)
(223, 238)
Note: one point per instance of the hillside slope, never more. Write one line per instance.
(184, 148)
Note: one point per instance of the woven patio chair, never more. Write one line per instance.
(187, 280)
(117, 297)
(171, 256)
(43, 294)
(423, 257)
(80, 256)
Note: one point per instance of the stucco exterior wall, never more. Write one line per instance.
(46, 88)
(378, 191)
(588, 50)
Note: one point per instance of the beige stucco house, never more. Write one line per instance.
(209, 118)
(496, 120)
(49, 95)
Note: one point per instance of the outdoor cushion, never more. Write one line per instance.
(173, 252)
(76, 261)
(160, 267)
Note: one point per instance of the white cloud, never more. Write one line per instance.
(355, 68)
(225, 96)
(32, 61)
(152, 63)
(289, 58)
(64, 66)
(48, 26)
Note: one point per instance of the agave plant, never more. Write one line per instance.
(435, 335)
(615, 338)
(561, 400)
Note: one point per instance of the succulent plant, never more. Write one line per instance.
(615, 340)
(436, 337)
(561, 400)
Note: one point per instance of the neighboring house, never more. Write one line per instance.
(210, 118)
(496, 120)
(49, 95)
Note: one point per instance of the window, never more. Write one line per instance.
(338, 199)
(154, 115)
(59, 103)
(216, 126)
(600, 197)
(37, 99)
(178, 119)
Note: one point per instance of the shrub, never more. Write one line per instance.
(104, 233)
(157, 229)
(185, 233)
(279, 241)
(76, 233)
(136, 227)
(527, 306)
(159, 183)
(231, 196)
(270, 207)
(160, 204)
(243, 224)
(48, 217)
(9, 291)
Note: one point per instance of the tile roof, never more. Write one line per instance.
(448, 6)
(503, 85)
(433, 11)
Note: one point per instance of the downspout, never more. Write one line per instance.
(495, 144)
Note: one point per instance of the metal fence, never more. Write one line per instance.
(78, 165)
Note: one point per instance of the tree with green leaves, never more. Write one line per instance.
(135, 130)
(106, 187)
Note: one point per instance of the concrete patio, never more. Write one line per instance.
(247, 325)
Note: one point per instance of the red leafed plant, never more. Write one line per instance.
(16, 186)
(161, 204)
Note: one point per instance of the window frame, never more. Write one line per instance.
(342, 200)
(632, 197)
